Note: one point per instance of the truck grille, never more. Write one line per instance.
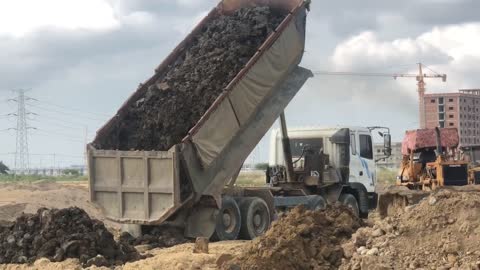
(455, 175)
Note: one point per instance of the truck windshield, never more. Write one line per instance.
(298, 145)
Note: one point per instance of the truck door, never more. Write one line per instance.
(366, 175)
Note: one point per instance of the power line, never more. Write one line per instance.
(73, 109)
(60, 120)
(65, 136)
(66, 113)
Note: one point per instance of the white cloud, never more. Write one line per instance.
(185, 26)
(194, 3)
(366, 51)
(452, 50)
(21, 17)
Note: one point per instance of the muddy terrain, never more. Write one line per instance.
(302, 239)
(171, 106)
(60, 234)
(441, 231)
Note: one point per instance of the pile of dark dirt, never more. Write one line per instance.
(442, 231)
(302, 239)
(61, 234)
(156, 237)
(171, 106)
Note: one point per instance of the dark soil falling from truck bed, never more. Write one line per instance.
(61, 234)
(164, 114)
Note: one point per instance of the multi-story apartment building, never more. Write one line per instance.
(392, 162)
(460, 110)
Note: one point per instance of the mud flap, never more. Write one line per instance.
(201, 222)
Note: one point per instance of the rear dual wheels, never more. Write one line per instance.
(255, 217)
(244, 218)
(228, 221)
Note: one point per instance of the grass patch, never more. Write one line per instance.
(251, 179)
(386, 176)
(34, 178)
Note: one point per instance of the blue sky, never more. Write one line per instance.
(83, 58)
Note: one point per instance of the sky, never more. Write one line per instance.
(81, 59)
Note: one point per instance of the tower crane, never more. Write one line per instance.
(420, 77)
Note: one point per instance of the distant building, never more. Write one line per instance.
(459, 110)
(393, 162)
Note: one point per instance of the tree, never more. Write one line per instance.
(3, 168)
(71, 172)
(261, 166)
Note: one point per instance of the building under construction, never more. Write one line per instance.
(460, 110)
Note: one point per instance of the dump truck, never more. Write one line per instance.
(193, 184)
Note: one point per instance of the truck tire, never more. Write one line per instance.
(350, 201)
(317, 203)
(228, 221)
(255, 217)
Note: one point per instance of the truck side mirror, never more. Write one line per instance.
(387, 144)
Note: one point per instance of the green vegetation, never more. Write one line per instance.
(71, 172)
(386, 176)
(34, 178)
(251, 179)
(261, 166)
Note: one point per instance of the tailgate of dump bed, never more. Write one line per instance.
(135, 186)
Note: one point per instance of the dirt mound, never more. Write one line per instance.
(156, 237)
(18, 198)
(302, 239)
(60, 234)
(441, 232)
(172, 105)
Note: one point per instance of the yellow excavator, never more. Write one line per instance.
(431, 160)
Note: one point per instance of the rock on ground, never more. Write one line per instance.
(441, 232)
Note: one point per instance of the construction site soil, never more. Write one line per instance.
(302, 239)
(171, 106)
(156, 237)
(442, 231)
(60, 234)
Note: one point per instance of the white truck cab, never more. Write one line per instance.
(361, 165)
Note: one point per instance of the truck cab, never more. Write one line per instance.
(358, 168)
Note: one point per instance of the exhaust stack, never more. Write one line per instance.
(439, 141)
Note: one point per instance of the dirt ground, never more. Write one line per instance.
(442, 231)
(26, 197)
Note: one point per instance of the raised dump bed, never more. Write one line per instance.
(149, 187)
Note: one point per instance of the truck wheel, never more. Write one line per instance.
(350, 201)
(317, 203)
(255, 217)
(228, 221)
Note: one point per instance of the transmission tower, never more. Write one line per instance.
(21, 151)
